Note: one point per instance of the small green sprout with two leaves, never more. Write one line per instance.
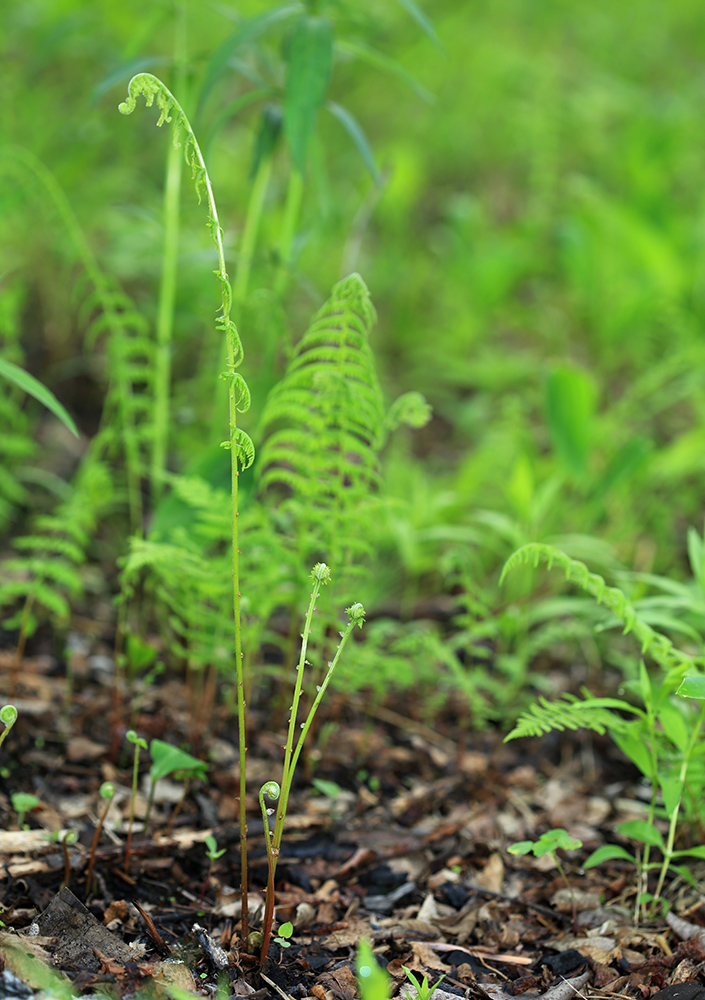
(285, 931)
(550, 843)
(23, 803)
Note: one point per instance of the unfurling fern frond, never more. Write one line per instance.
(569, 712)
(170, 110)
(658, 646)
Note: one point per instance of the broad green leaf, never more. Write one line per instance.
(674, 725)
(639, 829)
(672, 790)
(610, 852)
(166, 759)
(29, 384)
(692, 687)
(310, 57)
(571, 399)
(355, 132)
(686, 874)
(553, 839)
(521, 847)
(691, 852)
(632, 745)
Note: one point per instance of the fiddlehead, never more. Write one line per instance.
(170, 111)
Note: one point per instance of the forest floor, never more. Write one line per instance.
(408, 851)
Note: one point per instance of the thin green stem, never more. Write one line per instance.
(292, 211)
(239, 444)
(670, 842)
(292, 753)
(165, 321)
(250, 232)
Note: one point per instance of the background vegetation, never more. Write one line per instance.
(531, 233)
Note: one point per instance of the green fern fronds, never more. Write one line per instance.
(658, 646)
(45, 576)
(324, 421)
(569, 712)
(16, 444)
(126, 425)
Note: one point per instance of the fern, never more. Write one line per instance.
(104, 308)
(569, 712)
(16, 445)
(324, 425)
(40, 580)
(658, 646)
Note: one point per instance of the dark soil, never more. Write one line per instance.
(409, 852)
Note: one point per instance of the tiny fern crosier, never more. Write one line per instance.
(238, 442)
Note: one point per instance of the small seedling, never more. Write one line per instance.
(372, 981)
(320, 575)
(285, 931)
(139, 744)
(549, 843)
(212, 853)
(69, 838)
(107, 793)
(166, 760)
(22, 803)
(8, 717)
(423, 990)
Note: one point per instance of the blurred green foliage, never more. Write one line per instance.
(524, 201)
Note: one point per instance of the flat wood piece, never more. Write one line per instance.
(78, 933)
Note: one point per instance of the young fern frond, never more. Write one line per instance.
(569, 712)
(324, 425)
(239, 443)
(658, 646)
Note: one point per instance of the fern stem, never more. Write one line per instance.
(167, 287)
(670, 842)
(292, 755)
(21, 642)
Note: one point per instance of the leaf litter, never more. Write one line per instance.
(408, 849)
